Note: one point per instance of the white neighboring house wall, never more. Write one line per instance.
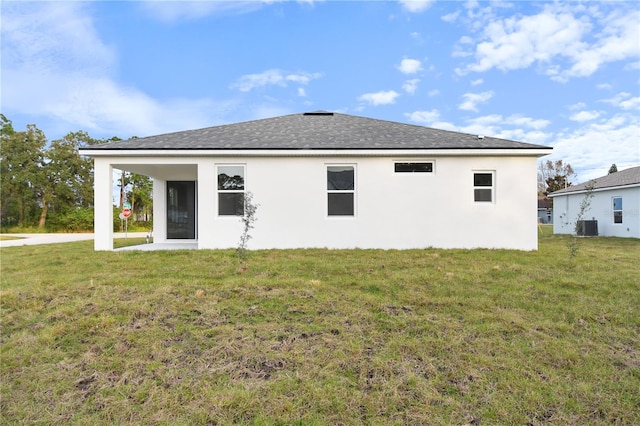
(566, 208)
(392, 210)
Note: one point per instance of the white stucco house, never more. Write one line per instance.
(329, 180)
(614, 208)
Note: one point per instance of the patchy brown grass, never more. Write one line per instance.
(321, 336)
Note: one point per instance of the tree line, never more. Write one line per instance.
(49, 185)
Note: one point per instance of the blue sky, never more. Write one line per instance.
(563, 74)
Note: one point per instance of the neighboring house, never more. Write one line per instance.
(545, 209)
(329, 180)
(615, 205)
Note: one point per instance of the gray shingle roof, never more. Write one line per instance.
(623, 178)
(318, 130)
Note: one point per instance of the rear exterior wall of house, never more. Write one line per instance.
(345, 202)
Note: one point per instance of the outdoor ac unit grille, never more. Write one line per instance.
(587, 228)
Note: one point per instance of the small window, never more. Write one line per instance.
(617, 210)
(231, 190)
(426, 167)
(340, 190)
(483, 187)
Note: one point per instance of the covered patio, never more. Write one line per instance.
(175, 201)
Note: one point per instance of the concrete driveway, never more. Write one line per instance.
(34, 239)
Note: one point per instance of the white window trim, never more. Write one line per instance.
(613, 211)
(492, 187)
(354, 192)
(219, 191)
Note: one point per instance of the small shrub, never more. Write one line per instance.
(585, 204)
(248, 220)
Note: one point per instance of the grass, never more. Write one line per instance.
(131, 241)
(322, 336)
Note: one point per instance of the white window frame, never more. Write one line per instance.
(613, 207)
(231, 191)
(341, 191)
(492, 187)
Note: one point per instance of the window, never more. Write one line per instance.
(231, 190)
(483, 187)
(426, 167)
(340, 190)
(617, 210)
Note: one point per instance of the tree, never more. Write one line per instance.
(613, 168)
(554, 175)
(140, 196)
(37, 181)
(66, 183)
(20, 173)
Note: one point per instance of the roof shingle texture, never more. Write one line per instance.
(623, 178)
(311, 131)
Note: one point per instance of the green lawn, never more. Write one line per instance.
(322, 336)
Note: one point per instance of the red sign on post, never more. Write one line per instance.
(126, 213)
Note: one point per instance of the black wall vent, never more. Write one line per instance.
(587, 228)
(324, 113)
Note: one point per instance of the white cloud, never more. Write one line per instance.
(173, 11)
(515, 43)
(56, 66)
(564, 40)
(512, 120)
(466, 40)
(425, 117)
(459, 49)
(585, 116)
(576, 106)
(302, 92)
(593, 148)
(380, 98)
(303, 78)
(514, 127)
(477, 82)
(533, 123)
(471, 100)
(410, 86)
(98, 104)
(617, 41)
(416, 6)
(431, 119)
(451, 17)
(410, 66)
(53, 36)
(631, 103)
(433, 92)
(273, 77)
(632, 66)
(624, 100)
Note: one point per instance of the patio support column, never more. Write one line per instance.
(159, 211)
(207, 195)
(103, 205)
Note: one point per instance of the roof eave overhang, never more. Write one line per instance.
(519, 152)
(584, 191)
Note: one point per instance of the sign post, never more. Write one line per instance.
(126, 212)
